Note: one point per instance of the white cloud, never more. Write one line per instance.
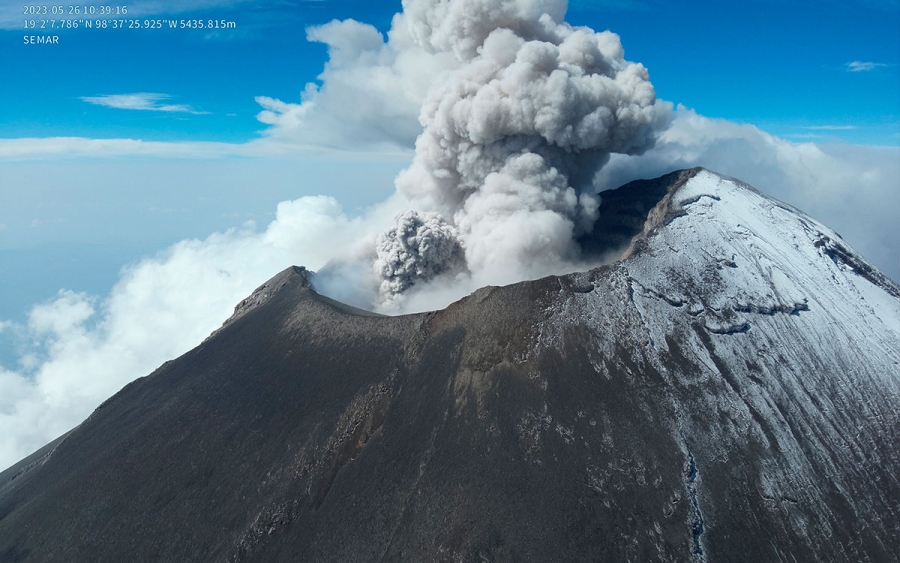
(831, 127)
(68, 311)
(53, 148)
(82, 349)
(81, 147)
(597, 5)
(369, 100)
(371, 90)
(144, 101)
(861, 66)
(851, 188)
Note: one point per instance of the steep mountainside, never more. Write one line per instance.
(728, 391)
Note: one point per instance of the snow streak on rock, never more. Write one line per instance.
(766, 317)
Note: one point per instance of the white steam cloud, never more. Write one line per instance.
(370, 94)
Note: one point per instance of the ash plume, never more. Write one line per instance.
(514, 135)
(419, 248)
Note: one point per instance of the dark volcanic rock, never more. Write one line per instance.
(729, 392)
(623, 212)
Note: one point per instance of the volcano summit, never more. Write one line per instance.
(727, 391)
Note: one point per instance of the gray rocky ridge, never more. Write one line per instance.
(727, 391)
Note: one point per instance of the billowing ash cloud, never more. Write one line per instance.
(419, 248)
(514, 136)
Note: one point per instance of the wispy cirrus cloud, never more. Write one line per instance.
(53, 148)
(831, 127)
(863, 66)
(145, 101)
(587, 5)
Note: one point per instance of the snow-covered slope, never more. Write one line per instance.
(751, 255)
(785, 337)
(717, 253)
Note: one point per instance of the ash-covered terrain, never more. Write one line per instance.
(727, 391)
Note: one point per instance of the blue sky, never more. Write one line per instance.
(143, 193)
(784, 66)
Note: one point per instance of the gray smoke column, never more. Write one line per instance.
(513, 138)
(419, 248)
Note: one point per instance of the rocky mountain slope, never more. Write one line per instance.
(728, 391)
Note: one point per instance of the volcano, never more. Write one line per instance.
(729, 390)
